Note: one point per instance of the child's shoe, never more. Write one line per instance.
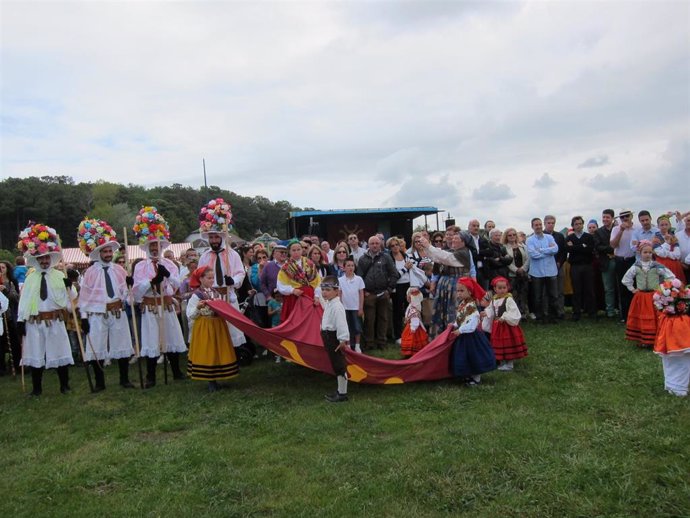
(358, 349)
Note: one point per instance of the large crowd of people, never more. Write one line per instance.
(392, 290)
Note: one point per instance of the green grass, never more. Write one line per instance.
(582, 427)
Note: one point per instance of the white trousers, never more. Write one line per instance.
(109, 338)
(236, 335)
(173, 341)
(676, 372)
(46, 345)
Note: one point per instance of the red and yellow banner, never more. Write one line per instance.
(299, 340)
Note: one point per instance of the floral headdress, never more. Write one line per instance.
(215, 217)
(150, 226)
(672, 298)
(93, 235)
(38, 239)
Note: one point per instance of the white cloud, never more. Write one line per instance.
(544, 182)
(492, 191)
(594, 161)
(610, 182)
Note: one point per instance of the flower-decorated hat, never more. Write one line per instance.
(150, 227)
(38, 240)
(94, 235)
(215, 218)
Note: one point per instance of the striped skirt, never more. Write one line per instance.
(507, 341)
(211, 354)
(642, 320)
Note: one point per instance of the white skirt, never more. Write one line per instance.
(46, 345)
(108, 338)
(173, 341)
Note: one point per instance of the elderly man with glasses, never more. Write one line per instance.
(621, 240)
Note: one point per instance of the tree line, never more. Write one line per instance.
(61, 203)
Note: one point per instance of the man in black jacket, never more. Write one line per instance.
(479, 248)
(380, 276)
(580, 245)
(602, 244)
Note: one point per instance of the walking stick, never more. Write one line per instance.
(76, 321)
(227, 261)
(130, 296)
(9, 346)
(23, 382)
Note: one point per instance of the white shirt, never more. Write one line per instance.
(349, 291)
(334, 318)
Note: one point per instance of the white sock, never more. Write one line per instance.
(477, 378)
(342, 385)
(509, 365)
(358, 349)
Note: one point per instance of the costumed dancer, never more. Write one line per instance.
(642, 279)
(103, 290)
(155, 282)
(297, 277)
(335, 335)
(43, 308)
(673, 336)
(471, 354)
(215, 218)
(211, 354)
(414, 336)
(503, 314)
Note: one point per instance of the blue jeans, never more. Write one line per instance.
(608, 277)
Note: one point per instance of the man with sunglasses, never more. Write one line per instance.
(621, 239)
(356, 251)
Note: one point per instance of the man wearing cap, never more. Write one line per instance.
(103, 290)
(621, 238)
(43, 307)
(155, 282)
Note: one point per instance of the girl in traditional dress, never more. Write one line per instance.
(414, 336)
(504, 315)
(642, 279)
(297, 277)
(211, 353)
(471, 354)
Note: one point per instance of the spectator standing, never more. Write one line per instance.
(380, 277)
(621, 236)
(580, 245)
(543, 272)
(326, 247)
(518, 269)
(356, 251)
(666, 247)
(478, 247)
(607, 263)
(645, 232)
(352, 297)
(403, 265)
(683, 236)
(496, 258)
(561, 256)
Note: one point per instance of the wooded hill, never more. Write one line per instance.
(61, 203)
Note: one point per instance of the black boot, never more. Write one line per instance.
(63, 376)
(99, 374)
(123, 365)
(150, 372)
(174, 361)
(213, 386)
(36, 381)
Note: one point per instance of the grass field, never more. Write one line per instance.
(582, 427)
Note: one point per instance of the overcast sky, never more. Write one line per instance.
(494, 110)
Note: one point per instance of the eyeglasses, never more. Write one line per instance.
(342, 252)
(352, 239)
(438, 240)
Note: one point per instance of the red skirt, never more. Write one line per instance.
(290, 301)
(412, 342)
(507, 341)
(673, 335)
(673, 265)
(642, 320)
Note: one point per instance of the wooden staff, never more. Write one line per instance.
(9, 346)
(161, 323)
(226, 240)
(76, 321)
(22, 366)
(130, 296)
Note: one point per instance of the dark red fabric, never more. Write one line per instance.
(299, 340)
